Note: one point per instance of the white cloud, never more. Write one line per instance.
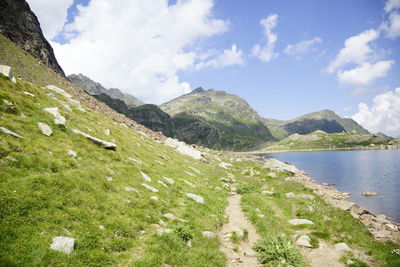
(356, 50)
(383, 115)
(365, 73)
(302, 47)
(391, 5)
(229, 57)
(138, 46)
(392, 25)
(51, 14)
(266, 53)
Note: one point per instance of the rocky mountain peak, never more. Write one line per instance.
(21, 26)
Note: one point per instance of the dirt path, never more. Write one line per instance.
(244, 255)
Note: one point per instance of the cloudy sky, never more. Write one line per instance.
(284, 57)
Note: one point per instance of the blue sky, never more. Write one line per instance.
(177, 46)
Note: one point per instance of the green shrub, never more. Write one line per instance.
(277, 251)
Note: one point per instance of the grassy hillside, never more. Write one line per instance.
(322, 140)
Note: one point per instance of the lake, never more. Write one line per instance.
(355, 172)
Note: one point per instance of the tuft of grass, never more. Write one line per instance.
(235, 238)
(276, 251)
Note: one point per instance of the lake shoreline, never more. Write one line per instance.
(256, 152)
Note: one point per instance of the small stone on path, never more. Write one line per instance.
(304, 241)
(342, 247)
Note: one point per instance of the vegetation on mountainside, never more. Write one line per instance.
(326, 141)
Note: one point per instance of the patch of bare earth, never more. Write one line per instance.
(240, 254)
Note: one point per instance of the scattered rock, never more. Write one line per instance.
(7, 71)
(81, 109)
(58, 119)
(135, 160)
(107, 131)
(225, 165)
(370, 194)
(63, 244)
(300, 222)
(102, 143)
(150, 188)
(349, 262)
(277, 165)
(145, 177)
(304, 241)
(391, 227)
(272, 174)
(267, 192)
(108, 179)
(357, 210)
(290, 195)
(162, 183)
(183, 148)
(58, 90)
(159, 162)
(101, 227)
(9, 132)
(72, 153)
(9, 104)
(161, 231)
(188, 183)
(154, 198)
(327, 184)
(342, 247)
(196, 198)
(305, 196)
(169, 216)
(44, 128)
(208, 234)
(169, 180)
(130, 189)
(74, 102)
(189, 173)
(261, 215)
(195, 170)
(310, 209)
(127, 201)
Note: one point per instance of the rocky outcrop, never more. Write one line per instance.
(20, 25)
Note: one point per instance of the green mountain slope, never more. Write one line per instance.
(323, 140)
(218, 120)
(324, 120)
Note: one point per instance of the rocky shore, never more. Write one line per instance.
(379, 225)
(380, 147)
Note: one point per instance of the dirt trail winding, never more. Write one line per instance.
(244, 255)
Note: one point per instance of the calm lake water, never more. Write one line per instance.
(355, 172)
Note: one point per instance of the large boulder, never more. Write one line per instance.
(277, 165)
(58, 90)
(58, 118)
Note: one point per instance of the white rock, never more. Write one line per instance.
(195, 170)
(130, 189)
(58, 118)
(58, 90)
(208, 234)
(44, 128)
(188, 183)
(277, 165)
(7, 71)
(169, 216)
(370, 194)
(261, 215)
(391, 227)
(189, 173)
(304, 241)
(183, 148)
(196, 198)
(30, 94)
(159, 162)
(305, 196)
(300, 222)
(150, 188)
(63, 244)
(162, 183)
(162, 231)
(145, 176)
(169, 180)
(309, 209)
(81, 109)
(272, 174)
(127, 201)
(290, 195)
(72, 153)
(74, 102)
(9, 132)
(108, 179)
(349, 262)
(135, 160)
(342, 247)
(225, 165)
(8, 103)
(154, 198)
(101, 227)
(267, 192)
(107, 131)
(105, 144)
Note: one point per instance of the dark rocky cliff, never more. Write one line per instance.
(20, 25)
